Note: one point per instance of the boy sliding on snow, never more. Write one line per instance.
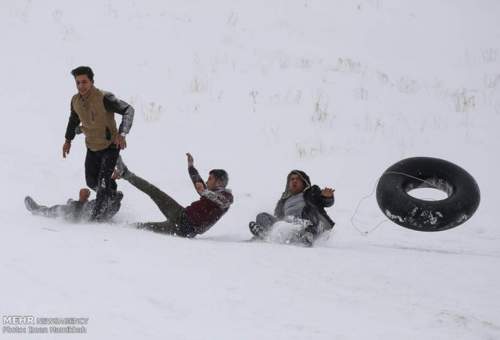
(299, 200)
(80, 210)
(197, 218)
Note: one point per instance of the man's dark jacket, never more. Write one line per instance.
(314, 211)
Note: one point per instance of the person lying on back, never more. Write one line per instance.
(214, 201)
(75, 210)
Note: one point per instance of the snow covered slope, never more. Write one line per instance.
(340, 89)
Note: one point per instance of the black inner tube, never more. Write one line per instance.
(422, 215)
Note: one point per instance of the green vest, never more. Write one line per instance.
(98, 125)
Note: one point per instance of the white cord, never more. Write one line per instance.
(364, 233)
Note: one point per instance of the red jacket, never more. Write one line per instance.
(205, 212)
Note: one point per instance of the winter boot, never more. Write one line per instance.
(30, 204)
(257, 230)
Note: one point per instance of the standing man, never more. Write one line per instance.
(94, 109)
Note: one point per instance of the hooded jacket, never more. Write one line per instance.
(314, 211)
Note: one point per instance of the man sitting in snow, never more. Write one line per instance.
(301, 201)
(197, 218)
(80, 210)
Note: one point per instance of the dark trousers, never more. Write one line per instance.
(71, 211)
(53, 211)
(262, 225)
(266, 220)
(176, 223)
(99, 166)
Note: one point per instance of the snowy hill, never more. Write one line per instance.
(340, 89)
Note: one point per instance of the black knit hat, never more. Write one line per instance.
(221, 175)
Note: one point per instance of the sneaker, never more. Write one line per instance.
(120, 170)
(30, 204)
(112, 206)
(257, 229)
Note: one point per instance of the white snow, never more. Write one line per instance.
(339, 89)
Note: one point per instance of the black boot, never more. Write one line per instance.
(30, 204)
(257, 230)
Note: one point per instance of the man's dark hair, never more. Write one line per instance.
(81, 70)
(220, 175)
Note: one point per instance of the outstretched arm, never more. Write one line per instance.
(198, 182)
